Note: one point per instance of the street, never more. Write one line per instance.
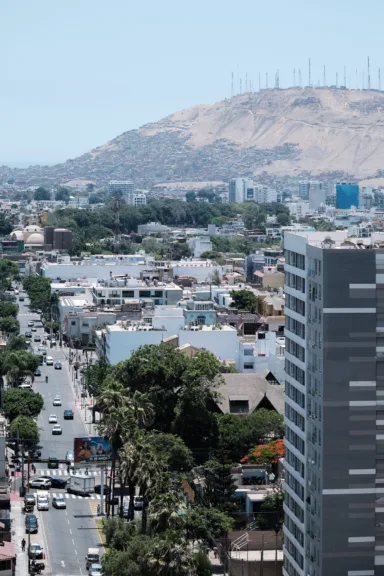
(68, 533)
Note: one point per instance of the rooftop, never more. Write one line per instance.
(252, 388)
(341, 240)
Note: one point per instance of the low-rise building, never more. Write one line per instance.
(200, 244)
(119, 290)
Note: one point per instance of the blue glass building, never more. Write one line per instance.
(347, 195)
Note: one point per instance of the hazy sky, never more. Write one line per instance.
(76, 73)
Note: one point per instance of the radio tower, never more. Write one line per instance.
(259, 82)
(300, 77)
(240, 87)
(369, 76)
(277, 80)
(379, 79)
(266, 80)
(345, 76)
(325, 78)
(246, 82)
(309, 72)
(294, 77)
(232, 86)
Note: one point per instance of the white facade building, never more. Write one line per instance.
(264, 194)
(240, 190)
(298, 209)
(126, 187)
(317, 194)
(200, 244)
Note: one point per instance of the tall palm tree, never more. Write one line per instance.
(19, 365)
(166, 511)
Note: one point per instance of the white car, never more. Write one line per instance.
(52, 419)
(42, 503)
(57, 429)
(59, 502)
(31, 323)
(49, 361)
(40, 483)
(57, 401)
(95, 570)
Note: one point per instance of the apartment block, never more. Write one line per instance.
(334, 405)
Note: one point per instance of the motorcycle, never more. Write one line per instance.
(28, 509)
(37, 567)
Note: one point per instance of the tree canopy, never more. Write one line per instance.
(244, 300)
(42, 194)
(18, 402)
(26, 429)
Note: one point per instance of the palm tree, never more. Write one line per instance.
(18, 365)
(166, 511)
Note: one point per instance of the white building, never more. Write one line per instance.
(200, 244)
(298, 209)
(136, 199)
(240, 190)
(125, 187)
(317, 194)
(264, 194)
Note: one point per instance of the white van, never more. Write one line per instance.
(25, 386)
(42, 501)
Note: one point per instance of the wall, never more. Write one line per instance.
(201, 273)
(72, 271)
(122, 344)
(222, 343)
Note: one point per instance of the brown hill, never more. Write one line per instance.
(292, 131)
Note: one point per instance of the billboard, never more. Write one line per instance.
(91, 451)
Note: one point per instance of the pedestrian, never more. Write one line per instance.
(215, 552)
(98, 510)
(23, 544)
(68, 468)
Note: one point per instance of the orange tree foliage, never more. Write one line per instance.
(265, 453)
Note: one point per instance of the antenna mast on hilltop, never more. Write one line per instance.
(369, 76)
(379, 79)
(246, 82)
(325, 78)
(277, 80)
(309, 72)
(294, 77)
(300, 77)
(345, 76)
(240, 86)
(232, 86)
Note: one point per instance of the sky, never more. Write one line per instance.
(77, 73)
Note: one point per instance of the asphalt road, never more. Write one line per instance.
(69, 533)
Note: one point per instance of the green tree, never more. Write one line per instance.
(283, 219)
(90, 187)
(8, 271)
(8, 309)
(42, 194)
(271, 515)
(96, 376)
(19, 365)
(17, 343)
(18, 402)
(190, 196)
(218, 485)
(26, 429)
(96, 199)
(119, 563)
(63, 194)
(9, 325)
(244, 300)
(207, 523)
(5, 225)
(172, 451)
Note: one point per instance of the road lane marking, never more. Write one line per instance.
(70, 531)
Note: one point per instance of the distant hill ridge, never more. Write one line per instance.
(292, 131)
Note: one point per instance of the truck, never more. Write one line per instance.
(81, 484)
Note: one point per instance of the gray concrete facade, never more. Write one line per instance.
(335, 525)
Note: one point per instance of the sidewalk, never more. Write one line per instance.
(18, 533)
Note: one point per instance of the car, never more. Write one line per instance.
(55, 481)
(25, 386)
(38, 311)
(37, 372)
(53, 342)
(42, 503)
(29, 499)
(31, 524)
(52, 419)
(59, 502)
(98, 489)
(28, 334)
(58, 366)
(68, 414)
(42, 349)
(138, 502)
(53, 462)
(69, 457)
(49, 361)
(57, 429)
(35, 551)
(95, 570)
(40, 483)
(21, 298)
(57, 401)
(31, 323)
(33, 329)
(37, 338)
(35, 453)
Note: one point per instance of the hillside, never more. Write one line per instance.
(292, 131)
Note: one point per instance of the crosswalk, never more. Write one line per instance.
(74, 496)
(63, 472)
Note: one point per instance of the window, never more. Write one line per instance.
(296, 418)
(295, 372)
(295, 282)
(248, 352)
(295, 349)
(294, 394)
(145, 293)
(200, 320)
(158, 293)
(128, 293)
(239, 406)
(73, 323)
(295, 304)
(248, 366)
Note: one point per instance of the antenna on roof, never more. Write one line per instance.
(259, 82)
(240, 87)
(363, 81)
(369, 76)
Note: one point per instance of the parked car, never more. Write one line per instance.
(138, 502)
(35, 551)
(59, 502)
(52, 419)
(53, 342)
(57, 429)
(42, 502)
(31, 323)
(68, 414)
(40, 483)
(31, 524)
(29, 499)
(53, 462)
(34, 329)
(106, 489)
(58, 366)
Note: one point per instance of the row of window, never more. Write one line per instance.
(314, 291)
(289, 568)
(294, 507)
(295, 304)
(295, 417)
(295, 259)
(294, 394)
(313, 409)
(296, 463)
(294, 529)
(295, 327)
(295, 349)
(294, 281)
(295, 372)
(294, 552)
(295, 440)
(294, 485)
